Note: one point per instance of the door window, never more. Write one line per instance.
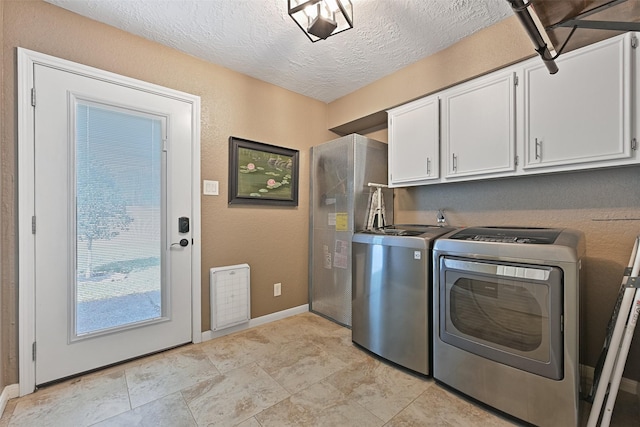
(118, 185)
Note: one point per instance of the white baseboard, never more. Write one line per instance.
(209, 335)
(9, 392)
(626, 385)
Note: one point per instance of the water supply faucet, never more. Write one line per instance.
(440, 218)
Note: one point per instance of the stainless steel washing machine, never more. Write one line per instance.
(506, 326)
(392, 291)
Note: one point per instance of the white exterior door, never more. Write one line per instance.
(112, 236)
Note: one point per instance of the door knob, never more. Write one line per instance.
(183, 243)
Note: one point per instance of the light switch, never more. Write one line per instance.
(210, 188)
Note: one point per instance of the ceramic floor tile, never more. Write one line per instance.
(302, 326)
(439, 407)
(382, 389)
(79, 402)
(8, 411)
(319, 405)
(302, 371)
(233, 351)
(233, 397)
(300, 364)
(131, 363)
(341, 347)
(169, 411)
(169, 374)
(251, 422)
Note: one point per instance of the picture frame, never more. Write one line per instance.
(262, 174)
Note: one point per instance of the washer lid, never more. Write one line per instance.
(522, 235)
(406, 230)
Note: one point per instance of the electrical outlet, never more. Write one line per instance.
(277, 289)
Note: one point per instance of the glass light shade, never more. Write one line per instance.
(320, 19)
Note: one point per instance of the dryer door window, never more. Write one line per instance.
(504, 312)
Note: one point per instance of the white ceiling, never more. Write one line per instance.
(258, 38)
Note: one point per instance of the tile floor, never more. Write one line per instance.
(299, 371)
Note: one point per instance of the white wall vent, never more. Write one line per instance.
(230, 296)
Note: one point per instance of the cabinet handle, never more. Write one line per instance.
(428, 166)
(455, 162)
(538, 149)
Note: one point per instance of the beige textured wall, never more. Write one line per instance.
(3, 320)
(274, 241)
(380, 135)
(604, 204)
(487, 50)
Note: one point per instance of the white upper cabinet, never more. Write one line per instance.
(478, 127)
(414, 146)
(521, 120)
(581, 116)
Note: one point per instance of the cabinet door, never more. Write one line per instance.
(581, 114)
(414, 143)
(478, 127)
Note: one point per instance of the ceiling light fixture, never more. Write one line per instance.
(320, 19)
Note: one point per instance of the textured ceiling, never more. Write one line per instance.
(258, 38)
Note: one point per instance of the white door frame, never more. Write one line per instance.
(26, 194)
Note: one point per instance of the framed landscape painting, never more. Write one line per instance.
(262, 174)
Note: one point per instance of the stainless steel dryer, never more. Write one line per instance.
(506, 326)
(392, 291)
